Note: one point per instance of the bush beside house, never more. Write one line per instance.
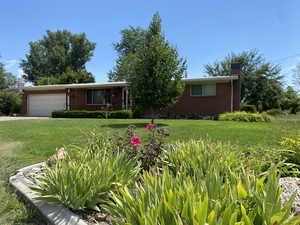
(10, 102)
(275, 112)
(245, 117)
(120, 114)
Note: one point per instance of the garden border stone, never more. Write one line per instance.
(53, 214)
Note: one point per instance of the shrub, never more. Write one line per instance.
(124, 114)
(121, 114)
(85, 180)
(274, 112)
(193, 116)
(292, 145)
(150, 153)
(137, 112)
(205, 188)
(10, 102)
(245, 117)
(248, 108)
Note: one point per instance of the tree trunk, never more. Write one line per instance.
(152, 116)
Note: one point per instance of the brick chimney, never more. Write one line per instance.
(235, 69)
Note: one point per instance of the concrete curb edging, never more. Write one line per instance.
(53, 214)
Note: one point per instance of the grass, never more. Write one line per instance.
(30, 141)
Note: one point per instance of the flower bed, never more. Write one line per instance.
(130, 180)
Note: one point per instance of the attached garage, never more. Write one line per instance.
(45, 104)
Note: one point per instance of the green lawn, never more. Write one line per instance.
(30, 141)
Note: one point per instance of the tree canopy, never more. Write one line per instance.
(260, 80)
(54, 56)
(297, 75)
(290, 100)
(7, 80)
(132, 40)
(156, 70)
(10, 99)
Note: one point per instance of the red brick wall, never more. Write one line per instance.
(207, 105)
(203, 105)
(117, 98)
(78, 100)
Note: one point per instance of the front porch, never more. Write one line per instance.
(113, 98)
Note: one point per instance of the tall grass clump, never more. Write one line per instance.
(204, 183)
(245, 117)
(85, 179)
(292, 151)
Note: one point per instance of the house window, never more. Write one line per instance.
(98, 96)
(203, 90)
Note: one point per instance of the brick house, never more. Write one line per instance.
(204, 96)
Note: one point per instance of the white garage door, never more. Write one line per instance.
(44, 105)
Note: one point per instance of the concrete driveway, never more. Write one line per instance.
(9, 118)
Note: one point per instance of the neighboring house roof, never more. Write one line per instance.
(124, 84)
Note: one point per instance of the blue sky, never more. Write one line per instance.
(203, 31)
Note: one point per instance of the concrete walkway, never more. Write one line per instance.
(9, 118)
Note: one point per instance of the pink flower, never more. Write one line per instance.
(135, 140)
(150, 126)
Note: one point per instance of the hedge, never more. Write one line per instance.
(274, 112)
(245, 117)
(120, 114)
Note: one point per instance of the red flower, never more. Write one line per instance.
(150, 126)
(135, 140)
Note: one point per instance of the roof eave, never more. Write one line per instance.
(122, 84)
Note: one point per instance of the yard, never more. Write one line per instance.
(30, 141)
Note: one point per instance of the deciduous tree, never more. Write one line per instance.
(157, 70)
(297, 75)
(132, 40)
(260, 80)
(290, 100)
(7, 80)
(51, 57)
(10, 99)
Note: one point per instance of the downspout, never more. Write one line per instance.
(68, 99)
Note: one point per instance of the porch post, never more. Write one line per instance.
(126, 98)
